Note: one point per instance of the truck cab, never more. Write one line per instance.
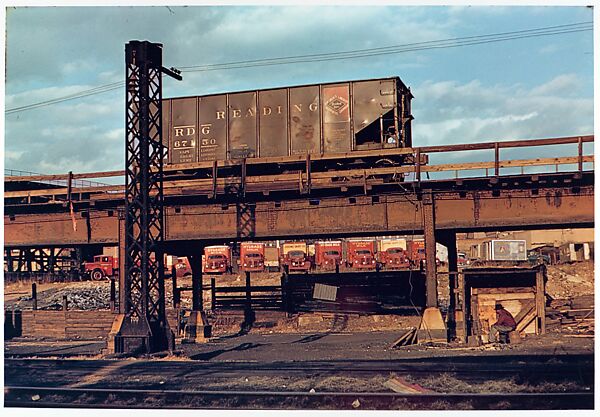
(295, 256)
(215, 263)
(395, 258)
(328, 255)
(298, 261)
(217, 259)
(361, 254)
(331, 258)
(252, 257)
(363, 258)
(103, 266)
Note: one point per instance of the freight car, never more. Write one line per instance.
(342, 118)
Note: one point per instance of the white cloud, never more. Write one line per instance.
(562, 85)
(74, 49)
(449, 112)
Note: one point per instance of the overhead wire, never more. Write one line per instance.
(437, 44)
(331, 56)
(85, 93)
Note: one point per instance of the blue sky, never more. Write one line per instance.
(527, 88)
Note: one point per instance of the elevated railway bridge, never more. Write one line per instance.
(287, 198)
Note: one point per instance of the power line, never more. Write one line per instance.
(386, 49)
(331, 56)
(80, 94)
(268, 62)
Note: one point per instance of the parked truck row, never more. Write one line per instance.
(320, 255)
(293, 256)
(395, 253)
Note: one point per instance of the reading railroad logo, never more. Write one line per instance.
(336, 104)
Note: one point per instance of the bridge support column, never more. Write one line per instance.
(448, 239)
(249, 316)
(197, 329)
(432, 327)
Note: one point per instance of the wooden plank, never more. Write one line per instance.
(525, 310)
(503, 290)
(508, 144)
(399, 385)
(502, 297)
(408, 334)
(528, 318)
(540, 300)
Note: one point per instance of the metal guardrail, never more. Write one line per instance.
(329, 179)
(60, 183)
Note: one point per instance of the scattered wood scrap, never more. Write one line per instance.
(571, 315)
(398, 384)
(408, 338)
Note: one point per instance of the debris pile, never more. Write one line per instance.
(570, 280)
(80, 296)
(574, 316)
(408, 338)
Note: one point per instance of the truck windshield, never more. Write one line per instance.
(253, 255)
(332, 253)
(394, 250)
(216, 257)
(363, 252)
(296, 253)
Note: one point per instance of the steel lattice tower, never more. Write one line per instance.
(144, 324)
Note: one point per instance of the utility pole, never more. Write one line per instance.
(142, 324)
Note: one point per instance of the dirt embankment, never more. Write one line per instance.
(570, 280)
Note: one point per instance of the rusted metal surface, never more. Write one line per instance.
(429, 225)
(57, 229)
(143, 327)
(183, 137)
(274, 126)
(479, 209)
(242, 121)
(213, 128)
(305, 122)
(329, 179)
(336, 118)
(318, 118)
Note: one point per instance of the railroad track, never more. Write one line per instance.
(51, 397)
(530, 369)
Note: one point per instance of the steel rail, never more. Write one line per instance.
(356, 366)
(273, 399)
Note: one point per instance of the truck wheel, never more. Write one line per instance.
(97, 275)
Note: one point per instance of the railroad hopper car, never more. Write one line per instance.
(334, 118)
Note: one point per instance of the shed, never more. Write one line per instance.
(520, 289)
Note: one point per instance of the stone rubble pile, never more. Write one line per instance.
(80, 296)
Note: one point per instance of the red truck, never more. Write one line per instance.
(328, 255)
(182, 266)
(217, 259)
(361, 254)
(393, 254)
(416, 250)
(295, 256)
(103, 266)
(252, 257)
